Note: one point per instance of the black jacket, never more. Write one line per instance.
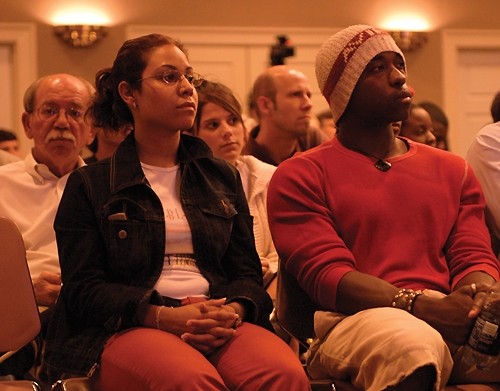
(110, 231)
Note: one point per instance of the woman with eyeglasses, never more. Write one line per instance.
(162, 285)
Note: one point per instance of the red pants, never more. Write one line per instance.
(145, 359)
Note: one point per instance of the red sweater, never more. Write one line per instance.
(418, 225)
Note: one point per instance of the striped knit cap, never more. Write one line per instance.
(342, 59)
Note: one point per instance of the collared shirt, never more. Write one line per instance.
(312, 139)
(29, 196)
(6, 158)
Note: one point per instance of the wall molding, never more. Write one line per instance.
(22, 38)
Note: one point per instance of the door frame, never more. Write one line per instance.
(22, 38)
(455, 40)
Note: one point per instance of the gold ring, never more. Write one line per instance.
(474, 290)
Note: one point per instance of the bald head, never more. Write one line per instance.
(29, 99)
(272, 79)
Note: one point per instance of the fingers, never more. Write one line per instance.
(215, 302)
(220, 319)
(211, 305)
(265, 265)
(206, 343)
(46, 294)
(479, 292)
(51, 278)
(47, 287)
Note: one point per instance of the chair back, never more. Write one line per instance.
(19, 317)
(19, 385)
(294, 309)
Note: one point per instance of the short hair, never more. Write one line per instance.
(250, 102)
(495, 108)
(436, 113)
(30, 93)
(264, 85)
(220, 95)
(7, 135)
(108, 109)
(325, 114)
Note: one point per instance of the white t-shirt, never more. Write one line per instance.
(180, 276)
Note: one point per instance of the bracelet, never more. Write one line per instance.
(158, 312)
(405, 299)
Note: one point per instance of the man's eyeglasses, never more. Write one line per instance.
(173, 77)
(48, 111)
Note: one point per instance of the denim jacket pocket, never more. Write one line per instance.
(125, 229)
(220, 208)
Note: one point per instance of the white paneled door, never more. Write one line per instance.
(471, 72)
(18, 63)
(479, 75)
(6, 92)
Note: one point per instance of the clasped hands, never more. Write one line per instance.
(47, 287)
(205, 325)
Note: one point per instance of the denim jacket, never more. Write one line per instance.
(110, 230)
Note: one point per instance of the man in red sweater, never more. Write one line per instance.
(388, 235)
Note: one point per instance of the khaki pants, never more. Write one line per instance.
(376, 348)
(379, 347)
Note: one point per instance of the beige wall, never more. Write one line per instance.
(56, 56)
(424, 66)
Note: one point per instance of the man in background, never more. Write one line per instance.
(326, 123)
(31, 189)
(105, 143)
(282, 98)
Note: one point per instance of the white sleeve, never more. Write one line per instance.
(484, 158)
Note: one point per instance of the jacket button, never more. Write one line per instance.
(122, 234)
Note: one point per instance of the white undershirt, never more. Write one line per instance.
(180, 276)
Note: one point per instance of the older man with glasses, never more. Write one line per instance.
(31, 189)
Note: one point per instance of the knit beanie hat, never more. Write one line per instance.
(342, 59)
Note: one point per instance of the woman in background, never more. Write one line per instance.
(220, 124)
(162, 285)
(418, 126)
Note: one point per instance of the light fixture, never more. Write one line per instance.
(408, 40)
(80, 36)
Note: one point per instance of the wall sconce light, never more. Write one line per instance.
(80, 36)
(408, 40)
